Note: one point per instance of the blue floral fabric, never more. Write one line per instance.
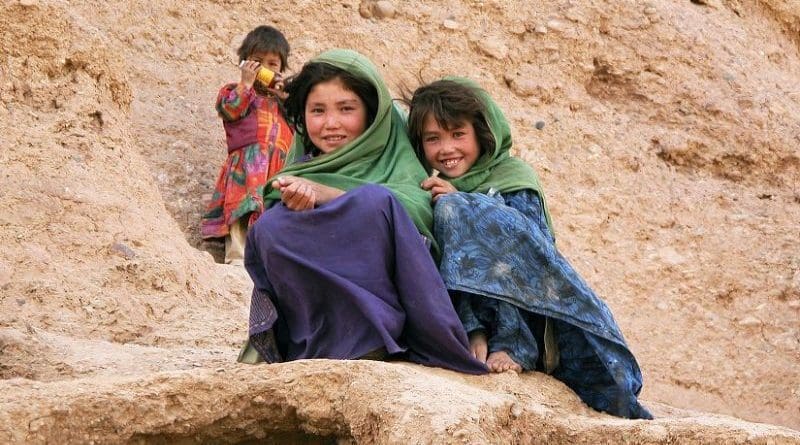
(502, 267)
(506, 328)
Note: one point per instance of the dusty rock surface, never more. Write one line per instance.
(666, 134)
(323, 401)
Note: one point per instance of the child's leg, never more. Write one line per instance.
(512, 345)
(478, 345)
(585, 373)
(234, 242)
(469, 316)
(498, 333)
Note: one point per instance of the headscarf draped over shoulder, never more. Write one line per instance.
(381, 155)
(498, 169)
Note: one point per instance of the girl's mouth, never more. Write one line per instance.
(335, 139)
(450, 163)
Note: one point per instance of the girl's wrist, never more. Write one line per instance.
(326, 194)
(245, 86)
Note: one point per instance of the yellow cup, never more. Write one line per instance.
(266, 76)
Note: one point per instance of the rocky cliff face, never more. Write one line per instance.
(666, 136)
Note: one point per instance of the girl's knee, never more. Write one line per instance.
(265, 220)
(448, 206)
(372, 192)
(372, 197)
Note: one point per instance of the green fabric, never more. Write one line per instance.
(381, 155)
(249, 355)
(498, 169)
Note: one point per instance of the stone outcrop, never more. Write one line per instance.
(666, 137)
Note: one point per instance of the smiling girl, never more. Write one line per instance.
(522, 304)
(340, 264)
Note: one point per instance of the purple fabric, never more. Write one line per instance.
(243, 132)
(347, 278)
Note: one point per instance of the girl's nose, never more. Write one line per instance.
(448, 146)
(331, 121)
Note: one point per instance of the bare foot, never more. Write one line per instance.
(478, 345)
(500, 361)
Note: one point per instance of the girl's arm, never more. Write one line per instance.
(302, 194)
(233, 101)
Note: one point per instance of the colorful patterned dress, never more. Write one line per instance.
(258, 139)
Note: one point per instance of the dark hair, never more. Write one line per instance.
(450, 103)
(264, 39)
(299, 86)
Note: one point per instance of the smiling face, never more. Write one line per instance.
(334, 115)
(452, 151)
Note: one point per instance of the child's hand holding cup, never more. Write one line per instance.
(249, 70)
(253, 71)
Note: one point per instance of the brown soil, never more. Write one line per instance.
(669, 153)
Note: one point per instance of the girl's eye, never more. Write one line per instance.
(316, 110)
(458, 134)
(430, 139)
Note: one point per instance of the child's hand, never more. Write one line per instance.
(278, 90)
(249, 70)
(302, 194)
(438, 187)
(296, 193)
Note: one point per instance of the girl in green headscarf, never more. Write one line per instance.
(522, 304)
(339, 262)
(378, 154)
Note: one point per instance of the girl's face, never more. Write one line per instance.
(334, 115)
(451, 151)
(267, 60)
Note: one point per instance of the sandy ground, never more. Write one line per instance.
(669, 153)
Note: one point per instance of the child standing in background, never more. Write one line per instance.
(258, 139)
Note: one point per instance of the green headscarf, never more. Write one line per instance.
(381, 155)
(497, 169)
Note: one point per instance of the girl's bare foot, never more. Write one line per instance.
(500, 361)
(478, 345)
